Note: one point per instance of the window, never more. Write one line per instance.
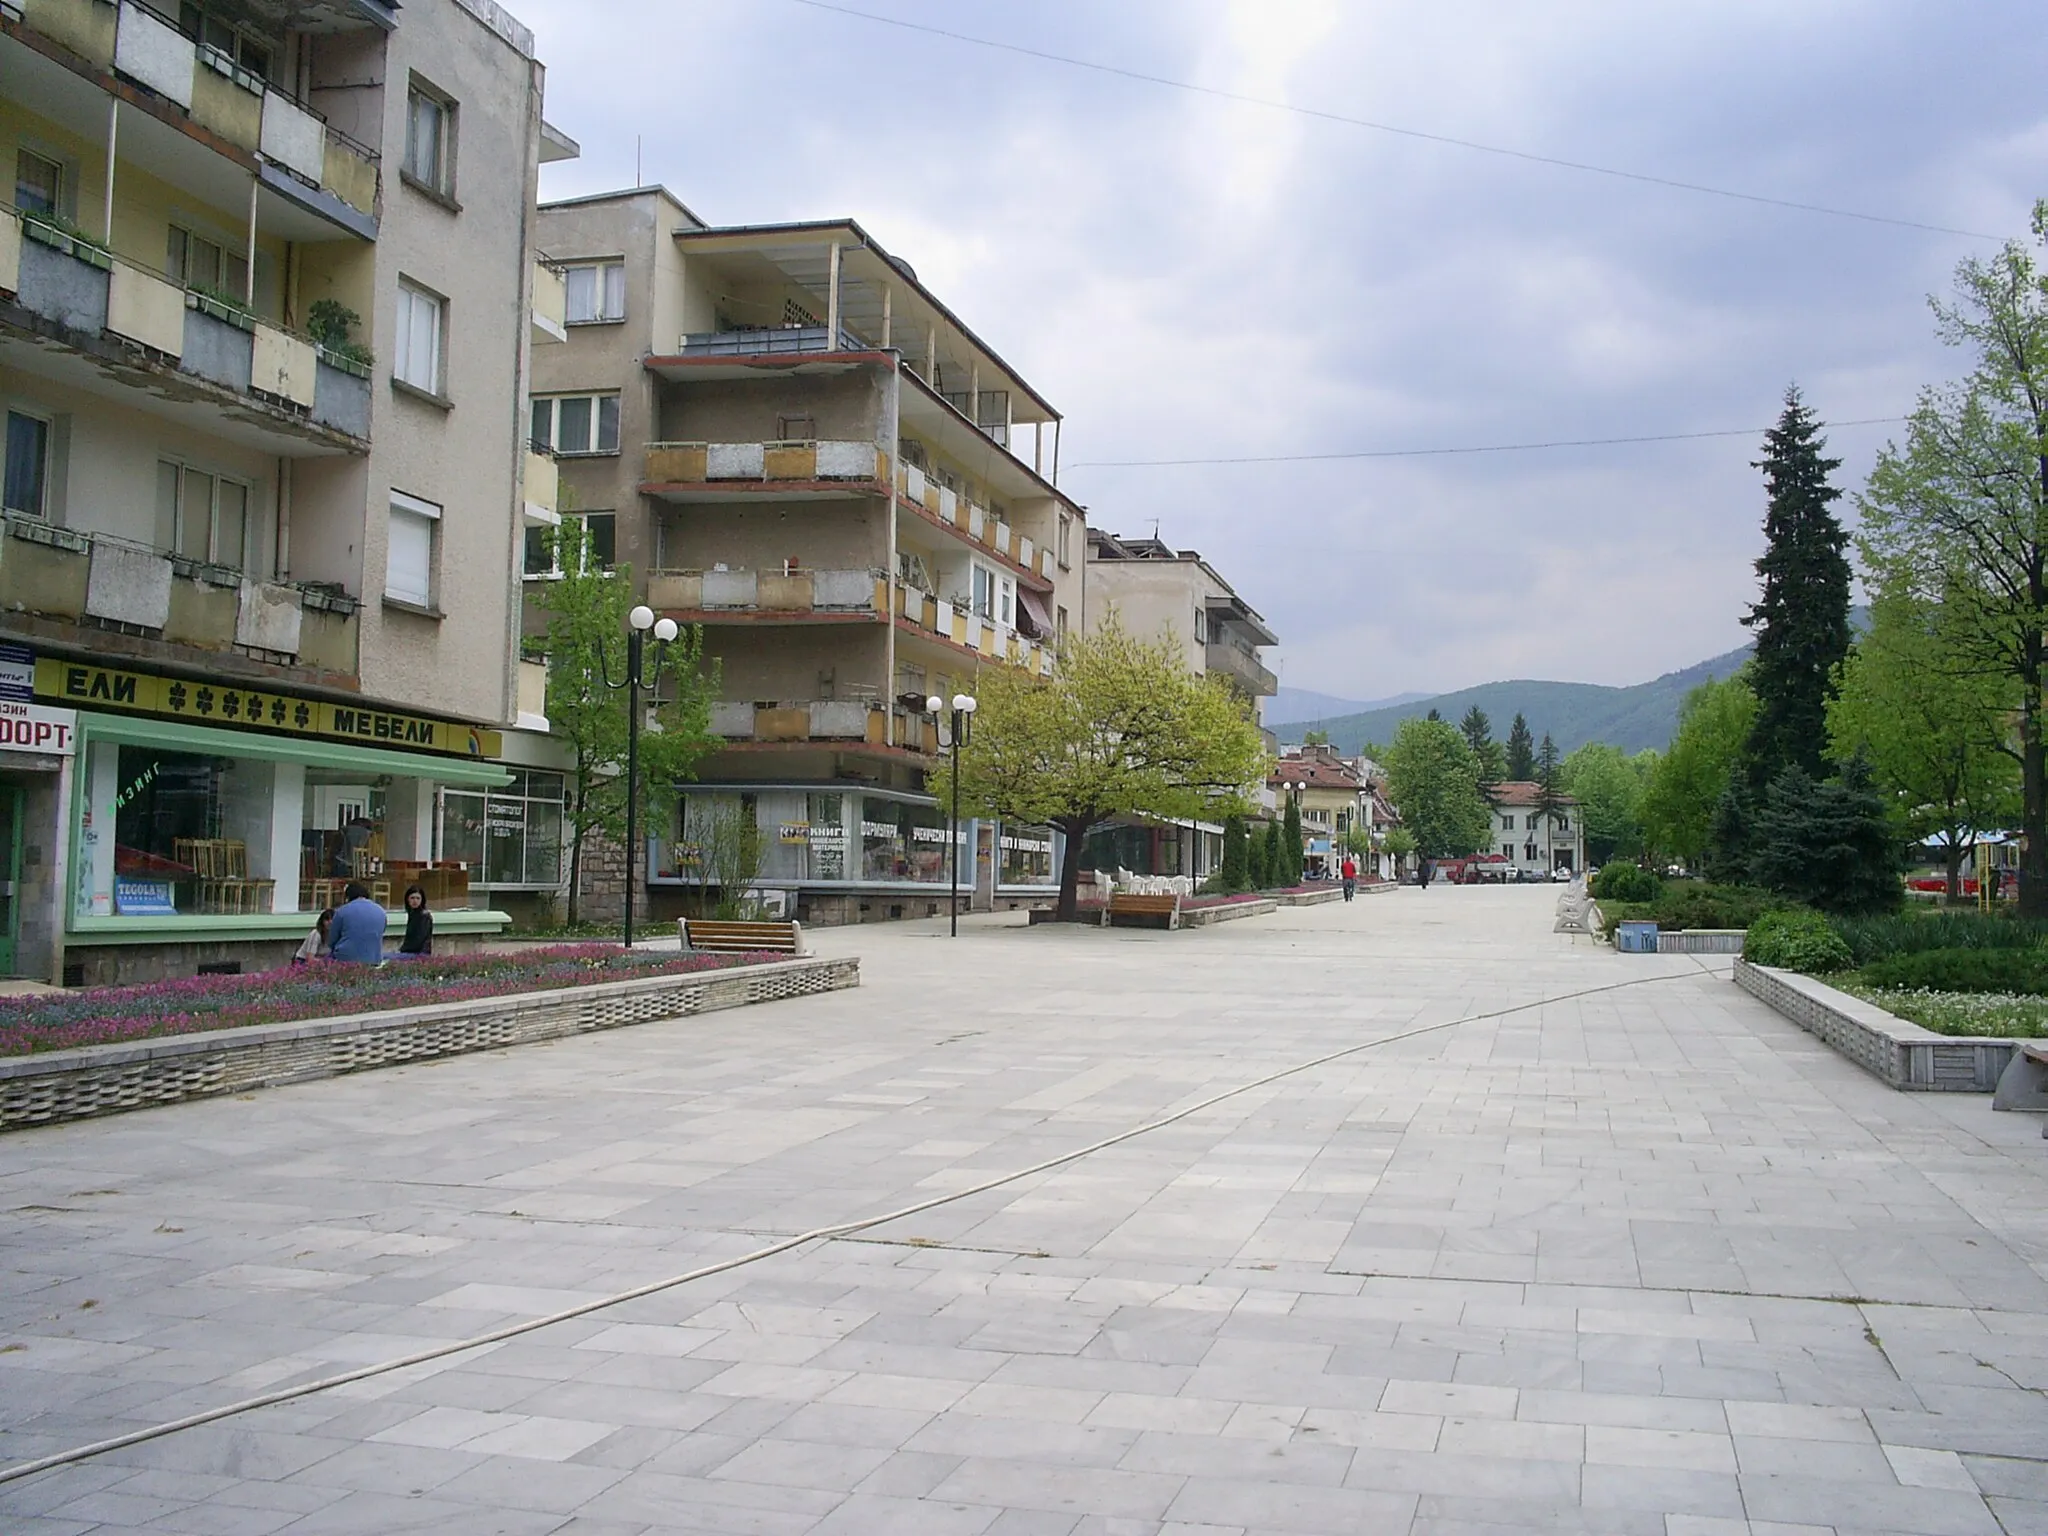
(1059, 623)
(1529, 824)
(28, 464)
(1006, 607)
(1507, 823)
(184, 833)
(1026, 855)
(38, 183)
(219, 40)
(193, 261)
(409, 550)
(202, 516)
(509, 836)
(417, 357)
(576, 423)
(1507, 850)
(544, 545)
(597, 292)
(984, 592)
(1065, 537)
(1529, 852)
(430, 140)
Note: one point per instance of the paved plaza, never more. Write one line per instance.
(1644, 1259)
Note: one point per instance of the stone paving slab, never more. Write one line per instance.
(1644, 1259)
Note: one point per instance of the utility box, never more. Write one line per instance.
(1636, 938)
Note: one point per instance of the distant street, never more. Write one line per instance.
(1647, 1261)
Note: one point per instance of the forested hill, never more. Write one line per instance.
(1573, 713)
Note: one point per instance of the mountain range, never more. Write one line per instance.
(1632, 718)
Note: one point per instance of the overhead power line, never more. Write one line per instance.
(1389, 128)
(1433, 453)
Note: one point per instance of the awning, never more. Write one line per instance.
(1033, 622)
(313, 752)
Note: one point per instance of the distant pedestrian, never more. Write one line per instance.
(1422, 873)
(357, 932)
(1350, 871)
(419, 924)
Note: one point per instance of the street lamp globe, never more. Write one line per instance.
(641, 618)
(665, 630)
(964, 702)
(934, 705)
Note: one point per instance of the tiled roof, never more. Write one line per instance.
(1316, 772)
(1520, 792)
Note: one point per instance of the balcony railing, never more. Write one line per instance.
(550, 304)
(98, 581)
(769, 340)
(702, 463)
(543, 485)
(1242, 668)
(945, 620)
(971, 518)
(75, 283)
(813, 720)
(854, 592)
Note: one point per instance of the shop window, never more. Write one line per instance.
(38, 183)
(511, 836)
(573, 424)
(1026, 855)
(596, 292)
(430, 140)
(409, 550)
(173, 833)
(201, 516)
(28, 464)
(416, 360)
(900, 840)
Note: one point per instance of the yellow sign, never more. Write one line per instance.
(233, 706)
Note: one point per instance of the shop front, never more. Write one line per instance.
(206, 825)
(840, 854)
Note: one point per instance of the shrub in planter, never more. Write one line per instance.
(1796, 940)
(1905, 933)
(1962, 970)
(1691, 904)
(1626, 882)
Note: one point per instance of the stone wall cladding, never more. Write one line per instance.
(1702, 941)
(1889, 1048)
(107, 1079)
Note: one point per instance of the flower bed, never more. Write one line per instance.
(2002, 1015)
(199, 1004)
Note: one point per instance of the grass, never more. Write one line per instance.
(2004, 1015)
(199, 1004)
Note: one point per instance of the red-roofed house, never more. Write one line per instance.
(1536, 844)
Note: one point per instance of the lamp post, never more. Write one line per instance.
(963, 725)
(638, 623)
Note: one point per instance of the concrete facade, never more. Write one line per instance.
(1533, 843)
(1155, 590)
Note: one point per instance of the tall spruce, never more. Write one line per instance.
(1478, 733)
(1521, 763)
(1802, 617)
(1549, 794)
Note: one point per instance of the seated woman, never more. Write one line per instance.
(316, 945)
(419, 924)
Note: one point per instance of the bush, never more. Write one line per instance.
(1626, 882)
(1692, 904)
(1875, 938)
(1796, 940)
(2011, 971)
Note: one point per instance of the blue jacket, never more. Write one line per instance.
(357, 932)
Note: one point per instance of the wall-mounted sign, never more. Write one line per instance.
(17, 672)
(256, 709)
(794, 832)
(37, 728)
(144, 898)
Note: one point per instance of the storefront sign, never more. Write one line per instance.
(17, 673)
(144, 898)
(795, 832)
(37, 728)
(256, 709)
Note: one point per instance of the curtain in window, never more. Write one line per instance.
(582, 293)
(419, 339)
(28, 444)
(409, 559)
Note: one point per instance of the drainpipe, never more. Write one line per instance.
(284, 519)
(249, 280)
(113, 133)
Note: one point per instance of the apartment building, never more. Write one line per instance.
(1156, 590)
(796, 444)
(266, 303)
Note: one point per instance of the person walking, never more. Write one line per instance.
(357, 932)
(1350, 872)
(419, 924)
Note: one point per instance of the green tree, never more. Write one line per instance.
(1609, 788)
(1801, 618)
(1937, 733)
(1274, 857)
(1478, 733)
(1290, 843)
(1521, 752)
(1236, 863)
(1689, 780)
(1121, 728)
(1315, 738)
(1962, 508)
(586, 632)
(1433, 779)
(1398, 845)
(1828, 843)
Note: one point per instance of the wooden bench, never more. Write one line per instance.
(2024, 1082)
(741, 938)
(1132, 910)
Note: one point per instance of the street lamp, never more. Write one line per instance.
(638, 623)
(963, 725)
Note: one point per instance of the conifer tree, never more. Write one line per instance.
(1549, 791)
(1521, 764)
(1290, 845)
(1234, 872)
(1478, 731)
(1275, 858)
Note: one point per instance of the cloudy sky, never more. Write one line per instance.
(1188, 277)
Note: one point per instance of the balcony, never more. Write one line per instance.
(550, 304)
(1244, 670)
(543, 484)
(797, 471)
(788, 339)
(125, 317)
(79, 584)
(792, 597)
(935, 618)
(962, 515)
(197, 89)
(821, 720)
(533, 695)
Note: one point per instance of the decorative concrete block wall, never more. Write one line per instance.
(1900, 1053)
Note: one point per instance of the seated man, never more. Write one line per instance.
(357, 932)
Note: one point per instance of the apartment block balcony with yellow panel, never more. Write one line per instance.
(827, 470)
(787, 596)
